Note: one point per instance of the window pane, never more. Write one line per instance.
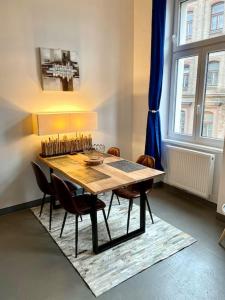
(218, 8)
(189, 24)
(213, 23)
(213, 73)
(185, 94)
(200, 20)
(214, 108)
(220, 21)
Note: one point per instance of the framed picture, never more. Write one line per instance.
(59, 70)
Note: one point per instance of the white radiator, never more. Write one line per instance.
(190, 170)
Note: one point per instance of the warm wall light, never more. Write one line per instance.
(51, 123)
(56, 123)
(83, 121)
(61, 123)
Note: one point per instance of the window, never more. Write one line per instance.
(207, 129)
(189, 24)
(213, 73)
(198, 74)
(214, 97)
(182, 121)
(186, 77)
(199, 20)
(185, 100)
(217, 17)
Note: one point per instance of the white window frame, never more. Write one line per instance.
(202, 49)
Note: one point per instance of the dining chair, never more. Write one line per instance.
(132, 192)
(114, 151)
(77, 205)
(47, 188)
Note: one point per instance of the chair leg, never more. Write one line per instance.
(81, 218)
(42, 204)
(50, 214)
(128, 216)
(76, 235)
(132, 202)
(149, 209)
(110, 205)
(106, 223)
(118, 199)
(63, 224)
(222, 237)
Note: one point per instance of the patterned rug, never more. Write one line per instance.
(106, 270)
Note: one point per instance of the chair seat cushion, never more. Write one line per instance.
(84, 204)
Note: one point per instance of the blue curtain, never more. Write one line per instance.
(153, 133)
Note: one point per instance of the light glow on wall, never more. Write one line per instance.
(65, 122)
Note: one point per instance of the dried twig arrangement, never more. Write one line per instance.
(54, 146)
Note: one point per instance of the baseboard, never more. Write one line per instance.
(220, 217)
(185, 195)
(22, 206)
(25, 205)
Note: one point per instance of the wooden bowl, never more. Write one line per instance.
(94, 161)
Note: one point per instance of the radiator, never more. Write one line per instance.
(190, 170)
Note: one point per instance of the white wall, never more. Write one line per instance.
(102, 33)
(142, 54)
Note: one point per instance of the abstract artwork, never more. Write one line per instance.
(59, 70)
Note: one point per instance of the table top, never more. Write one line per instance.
(115, 171)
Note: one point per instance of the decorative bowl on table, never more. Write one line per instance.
(94, 160)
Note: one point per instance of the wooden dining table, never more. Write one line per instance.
(113, 173)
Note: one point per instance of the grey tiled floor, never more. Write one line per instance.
(32, 267)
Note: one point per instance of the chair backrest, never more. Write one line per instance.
(41, 178)
(64, 195)
(114, 151)
(149, 162)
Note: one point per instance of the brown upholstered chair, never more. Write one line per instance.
(114, 151)
(132, 192)
(47, 188)
(77, 205)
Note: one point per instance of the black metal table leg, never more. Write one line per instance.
(119, 240)
(143, 197)
(94, 222)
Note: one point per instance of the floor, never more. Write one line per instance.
(33, 267)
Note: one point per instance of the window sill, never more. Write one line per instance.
(193, 146)
(212, 32)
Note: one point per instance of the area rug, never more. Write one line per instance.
(108, 269)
